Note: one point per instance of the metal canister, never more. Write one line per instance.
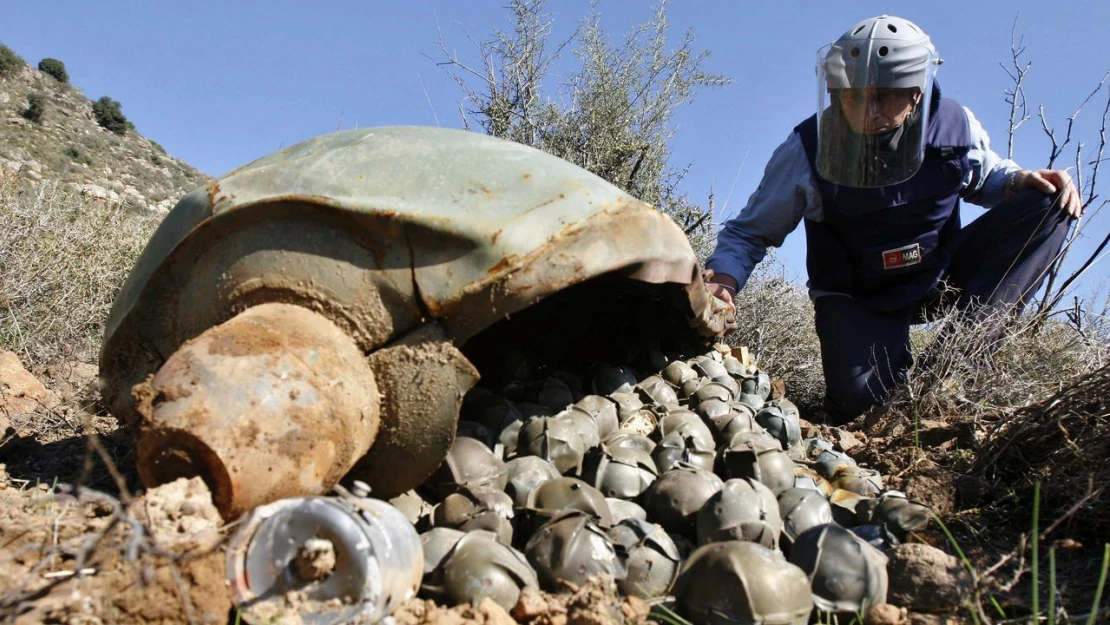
(324, 560)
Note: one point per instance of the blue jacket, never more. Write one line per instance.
(887, 246)
(788, 192)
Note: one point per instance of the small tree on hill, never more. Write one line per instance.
(615, 114)
(109, 114)
(10, 62)
(36, 106)
(55, 68)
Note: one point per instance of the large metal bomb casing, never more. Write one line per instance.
(409, 240)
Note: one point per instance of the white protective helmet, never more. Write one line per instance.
(870, 60)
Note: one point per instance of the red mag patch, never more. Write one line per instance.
(902, 256)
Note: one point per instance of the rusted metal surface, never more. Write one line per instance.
(278, 402)
(334, 264)
(423, 378)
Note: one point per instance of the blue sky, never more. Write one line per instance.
(219, 84)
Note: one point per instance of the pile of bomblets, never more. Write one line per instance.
(692, 487)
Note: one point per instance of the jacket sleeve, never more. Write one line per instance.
(786, 194)
(985, 184)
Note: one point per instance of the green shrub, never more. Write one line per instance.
(36, 106)
(109, 115)
(77, 155)
(9, 61)
(55, 68)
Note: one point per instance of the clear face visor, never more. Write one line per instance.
(873, 102)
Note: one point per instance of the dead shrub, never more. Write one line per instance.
(1035, 391)
(979, 365)
(62, 261)
(1063, 442)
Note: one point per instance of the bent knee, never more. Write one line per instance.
(842, 406)
(848, 397)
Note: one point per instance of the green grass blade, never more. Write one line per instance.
(997, 606)
(1093, 617)
(1052, 586)
(668, 616)
(955, 545)
(1035, 573)
(963, 558)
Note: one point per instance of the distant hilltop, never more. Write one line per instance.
(50, 132)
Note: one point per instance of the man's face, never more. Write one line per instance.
(875, 111)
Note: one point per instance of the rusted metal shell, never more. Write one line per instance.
(417, 420)
(410, 241)
(278, 402)
(381, 229)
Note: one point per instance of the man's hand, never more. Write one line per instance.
(1050, 181)
(721, 286)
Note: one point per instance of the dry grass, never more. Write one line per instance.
(970, 371)
(979, 366)
(776, 323)
(62, 261)
(1062, 441)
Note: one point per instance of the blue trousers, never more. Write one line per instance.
(999, 261)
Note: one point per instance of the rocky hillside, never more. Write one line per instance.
(66, 144)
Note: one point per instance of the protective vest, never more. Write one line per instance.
(888, 246)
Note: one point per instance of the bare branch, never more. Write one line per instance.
(619, 103)
(1015, 96)
(1053, 298)
(1058, 148)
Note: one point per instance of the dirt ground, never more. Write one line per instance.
(79, 545)
(990, 520)
(98, 553)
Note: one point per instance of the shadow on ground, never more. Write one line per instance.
(73, 460)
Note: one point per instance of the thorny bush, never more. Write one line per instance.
(976, 364)
(62, 261)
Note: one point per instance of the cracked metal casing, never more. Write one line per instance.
(409, 239)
